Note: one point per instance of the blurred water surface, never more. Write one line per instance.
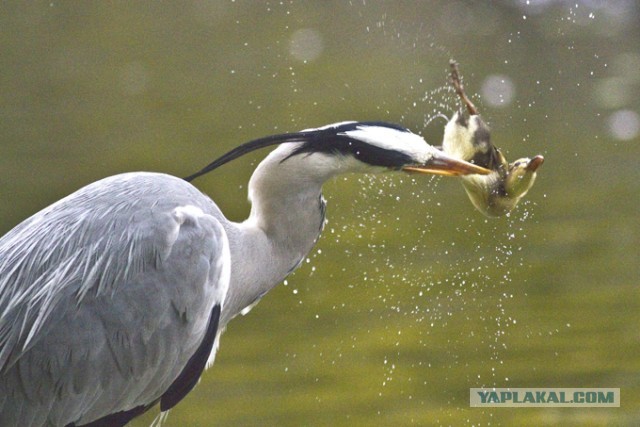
(411, 297)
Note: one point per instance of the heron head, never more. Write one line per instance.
(371, 146)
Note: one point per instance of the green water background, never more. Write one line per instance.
(411, 296)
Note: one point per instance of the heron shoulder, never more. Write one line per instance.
(116, 280)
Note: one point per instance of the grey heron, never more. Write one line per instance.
(112, 299)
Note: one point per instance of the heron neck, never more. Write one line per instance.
(284, 224)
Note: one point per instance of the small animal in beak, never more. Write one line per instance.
(469, 138)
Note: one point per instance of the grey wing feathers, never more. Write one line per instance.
(104, 297)
(70, 247)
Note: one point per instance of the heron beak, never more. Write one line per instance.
(443, 164)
